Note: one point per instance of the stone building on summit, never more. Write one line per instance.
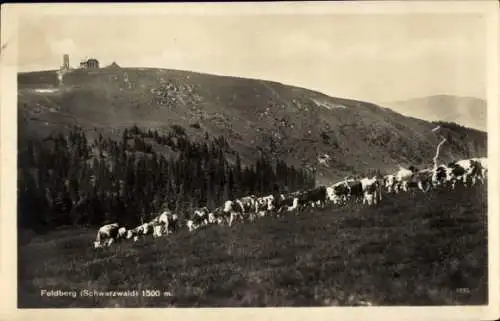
(90, 63)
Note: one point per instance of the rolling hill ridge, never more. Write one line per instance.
(334, 136)
(467, 111)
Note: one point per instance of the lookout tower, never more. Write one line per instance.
(65, 62)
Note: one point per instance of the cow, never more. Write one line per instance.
(166, 221)
(389, 183)
(484, 167)
(234, 210)
(355, 190)
(141, 230)
(158, 230)
(463, 170)
(266, 203)
(106, 235)
(339, 192)
(199, 218)
(248, 207)
(423, 178)
(290, 204)
(371, 190)
(403, 177)
(218, 216)
(439, 176)
(122, 232)
(313, 197)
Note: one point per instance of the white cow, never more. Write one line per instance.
(157, 230)
(248, 206)
(463, 170)
(122, 232)
(390, 183)
(141, 230)
(106, 235)
(371, 190)
(234, 211)
(340, 191)
(403, 176)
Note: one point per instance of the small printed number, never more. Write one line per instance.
(151, 293)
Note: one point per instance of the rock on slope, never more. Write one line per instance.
(296, 124)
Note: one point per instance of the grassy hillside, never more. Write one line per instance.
(296, 124)
(466, 111)
(420, 249)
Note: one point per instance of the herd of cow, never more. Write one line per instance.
(366, 191)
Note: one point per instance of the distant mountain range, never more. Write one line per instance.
(305, 128)
(466, 111)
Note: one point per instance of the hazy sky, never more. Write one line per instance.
(377, 58)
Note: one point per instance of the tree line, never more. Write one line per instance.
(74, 180)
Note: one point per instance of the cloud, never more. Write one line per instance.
(66, 45)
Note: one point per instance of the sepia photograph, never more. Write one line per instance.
(251, 155)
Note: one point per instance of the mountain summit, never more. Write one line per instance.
(333, 136)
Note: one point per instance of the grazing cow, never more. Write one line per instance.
(190, 225)
(141, 230)
(313, 197)
(339, 192)
(289, 204)
(356, 192)
(219, 216)
(371, 190)
(211, 218)
(286, 203)
(423, 178)
(403, 176)
(106, 235)
(234, 211)
(266, 203)
(463, 170)
(389, 183)
(261, 213)
(248, 206)
(163, 220)
(330, 194)
(122, 232)
(199, 218)
(439, 175)
(157, 230)
(484, 167)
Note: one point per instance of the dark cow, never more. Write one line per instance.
(423, 178)
(356, 192)
(439, 176)
(313, 197)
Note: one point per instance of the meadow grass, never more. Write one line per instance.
(411, 249)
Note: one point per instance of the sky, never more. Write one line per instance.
(372, 57)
